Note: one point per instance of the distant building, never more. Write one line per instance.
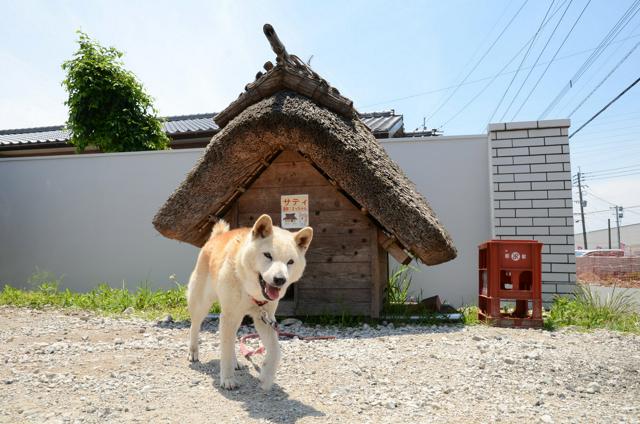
(599, 239)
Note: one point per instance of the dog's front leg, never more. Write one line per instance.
(269, 338)
(229, 324)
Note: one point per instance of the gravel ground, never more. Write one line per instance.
(59, 367)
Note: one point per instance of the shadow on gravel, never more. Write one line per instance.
(211, 326)
(274, 405)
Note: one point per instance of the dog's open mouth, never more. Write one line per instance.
(268, 291)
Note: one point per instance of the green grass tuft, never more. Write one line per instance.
(588, 310)
(146, 302)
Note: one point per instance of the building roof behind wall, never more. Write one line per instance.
(385, 124)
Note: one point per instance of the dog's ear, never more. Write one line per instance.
(263, 227)
(303, 237)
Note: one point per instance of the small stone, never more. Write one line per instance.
(539, 402)
(477, 338)
(593, 387)
(149, 408)
(532, 355)
(509, 361)
(167, 319)
(546, 419)
(128, 311)
(290, 321)
(390, 404)
(118, 341)
(8, 381)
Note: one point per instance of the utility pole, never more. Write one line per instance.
(584, 227)
(618, 213)
(609, 230)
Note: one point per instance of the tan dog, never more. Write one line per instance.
(247, 270)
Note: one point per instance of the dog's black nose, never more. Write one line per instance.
(279, 281)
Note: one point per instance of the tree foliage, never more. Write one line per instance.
(108, 107)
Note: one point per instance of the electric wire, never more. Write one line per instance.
(544, 72)
(600, 171)
(438, 90)
(495, 76)
(615, 99)
(579, 92)
(544, 48)
(620, 62)
(610, 36)
(479, 61)
(608, 177)
(524, 58)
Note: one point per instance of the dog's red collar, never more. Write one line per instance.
(259, 302)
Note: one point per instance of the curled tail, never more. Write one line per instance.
(220, 227)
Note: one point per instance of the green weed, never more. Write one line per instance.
(145, 301)
(588, 310)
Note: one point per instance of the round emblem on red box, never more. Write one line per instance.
(515, 256)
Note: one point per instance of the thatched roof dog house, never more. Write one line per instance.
(290, 133)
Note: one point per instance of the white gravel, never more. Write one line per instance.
(67, 368)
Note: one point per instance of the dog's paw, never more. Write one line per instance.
(266, 385)
(193, 355)
(238, 366)
(229, 383)
(266, 381)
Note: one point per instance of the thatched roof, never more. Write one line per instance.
(290, 107)
(342, 147)
(290, 73)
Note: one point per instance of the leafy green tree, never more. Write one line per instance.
(108, 107)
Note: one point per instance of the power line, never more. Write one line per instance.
(486, 37)
(438, 90)
(524, 58)
(608, 170)
(579, 90)
(620, 62)
(599, 198)
(625, 145)
(608, 177)
(473, 99)
(544, 48)
(566, 37)
(609, 129)
(607, 174)
(611, 35)
(615, 99)
(480, 60)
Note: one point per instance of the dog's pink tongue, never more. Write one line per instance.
(272, 292)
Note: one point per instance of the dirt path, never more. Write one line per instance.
(82, 368)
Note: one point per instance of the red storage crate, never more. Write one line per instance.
(510, 271)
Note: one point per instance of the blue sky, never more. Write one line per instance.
(195, 56)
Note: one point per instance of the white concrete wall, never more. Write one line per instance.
(453, 174)
(88, 217)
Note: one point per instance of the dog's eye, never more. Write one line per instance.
(290, 262)
(268, 256)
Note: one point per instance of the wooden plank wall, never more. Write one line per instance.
(344, 254)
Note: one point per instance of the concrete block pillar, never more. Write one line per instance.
(531, 193)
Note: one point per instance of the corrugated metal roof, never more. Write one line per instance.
(384, 124)
(173, 125)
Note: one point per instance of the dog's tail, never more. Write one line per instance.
(221, 227)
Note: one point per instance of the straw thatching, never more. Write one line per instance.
(342, 147)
